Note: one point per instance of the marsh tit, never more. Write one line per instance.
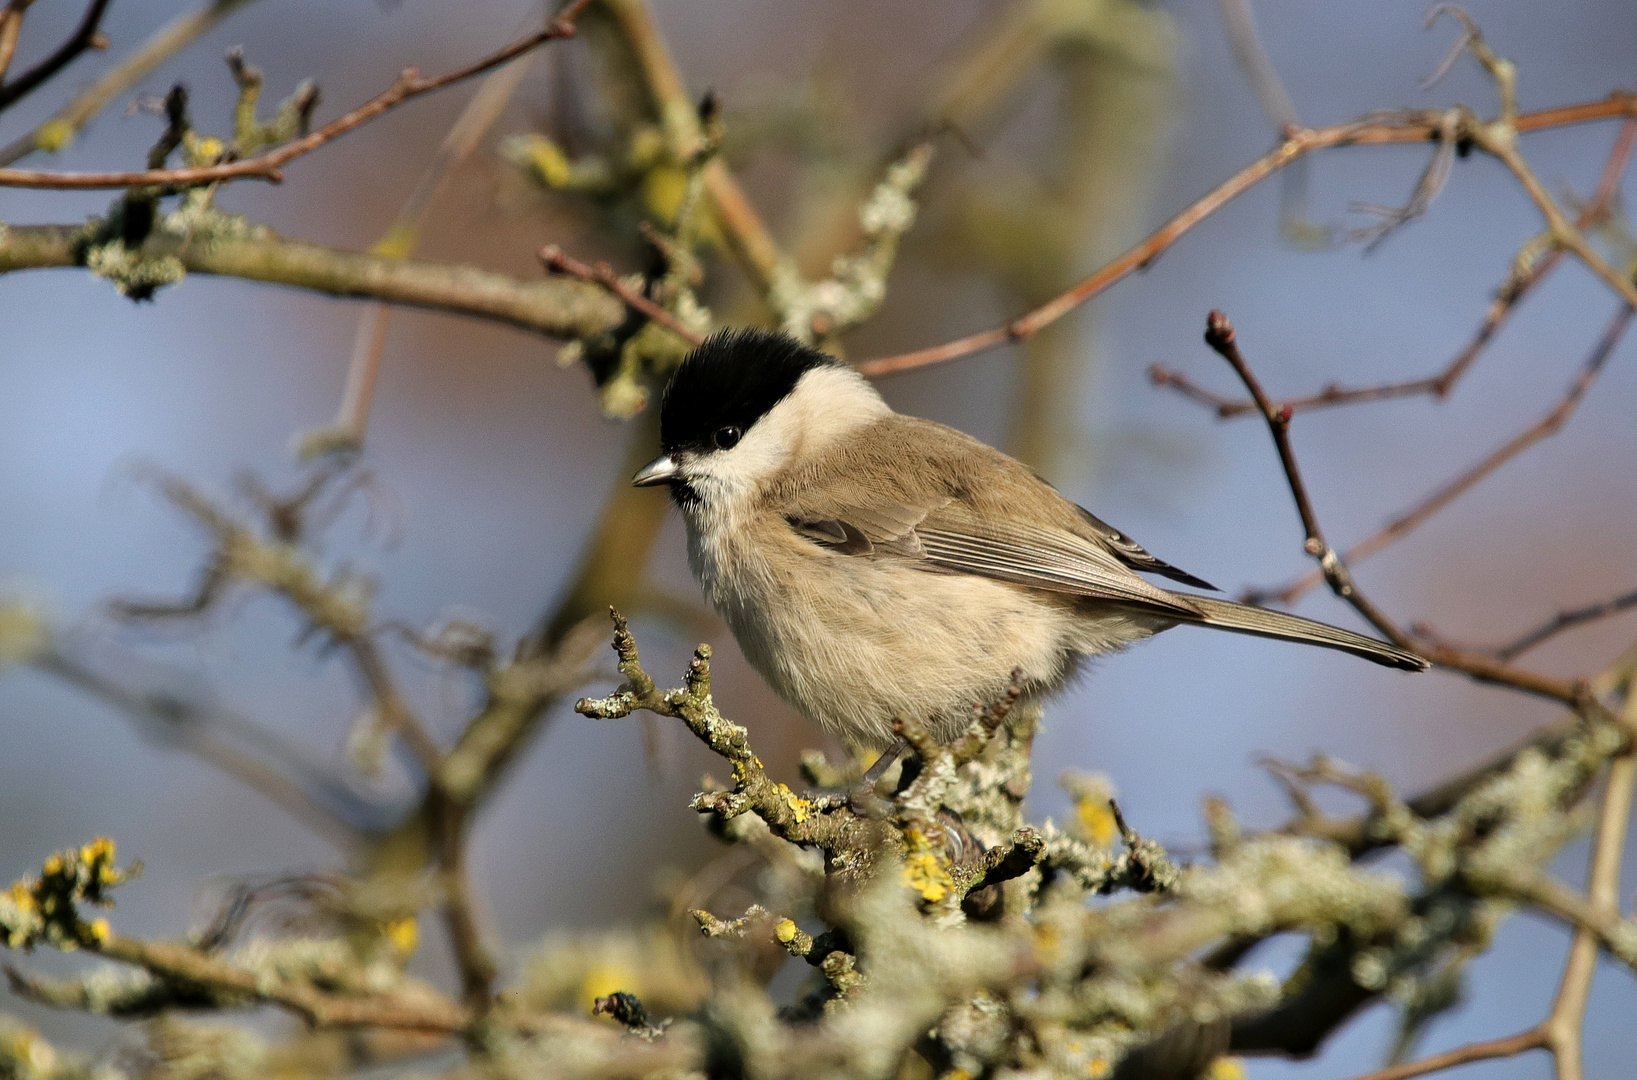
(874, 565)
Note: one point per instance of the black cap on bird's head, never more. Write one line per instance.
(723, 388)
(730, 381)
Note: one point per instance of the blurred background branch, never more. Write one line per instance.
(942, 927)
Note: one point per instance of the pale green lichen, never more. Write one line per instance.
(857, 284)
(135, 274)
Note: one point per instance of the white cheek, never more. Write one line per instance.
(826, 405)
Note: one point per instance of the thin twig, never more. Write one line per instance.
(1543, 428)
(1220, 336)
(748, 236)
(1563, 1028)
(57, 131)
(11, 28)
(560, 262)
(1565, 620)
(267, 166)
(1511, 1046)
(1525, 275)
(480, 114)
(1409, 127)
(85, 36)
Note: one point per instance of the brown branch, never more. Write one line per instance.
(85, 36)
(1220, 336)
(346, 433)
(241, 748)
(59, 129)
(748, 236)
(560, 262)
(1565, 620)
(11, 28)
(267, 166)
(1525, 275)
(556, 307)
(1409, 127)
(1511, 1046)
(1563, 1027)
(174, 961)
(1543, 428)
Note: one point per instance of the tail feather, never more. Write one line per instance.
(1243, 619)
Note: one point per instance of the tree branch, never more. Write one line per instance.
(1407, 127)
(556, 307)
(1528, 270)
(267, 166)
(1510, 1046)
(1566, 620)
(58, 131)
(1220, 336)
(559, 261)
(85, 36)
(1547, 426)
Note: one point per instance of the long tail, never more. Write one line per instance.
(1243, 619)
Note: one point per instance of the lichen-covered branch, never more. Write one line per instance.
(231, 247)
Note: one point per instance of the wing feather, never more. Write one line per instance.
(950, 538)
(944, 502)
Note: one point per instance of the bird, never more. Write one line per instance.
(875, 566)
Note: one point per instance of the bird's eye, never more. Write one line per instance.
(727, 437)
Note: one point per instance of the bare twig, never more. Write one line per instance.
(1543, 428)
(1219, 335)
(1562, 1029)
(268, 166)
(560, 262)
(748, 236)
(85, 36)
(1510, 1046)
(11, 28)
(1527, 272)
(1333, 568)
(1431, 182)
(400, 241)
(1408, 127)
(1565, 620)
(58, 131)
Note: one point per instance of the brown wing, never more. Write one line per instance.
(963, 508)
(1136, 556)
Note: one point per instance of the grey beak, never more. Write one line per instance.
(661, 470)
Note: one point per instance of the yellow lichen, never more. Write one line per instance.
(23, 633)
(54, 135)
(603, 979)
(1226, 1068)
(399, 241)
(923, 870)
(1096, 821)
(404, 934)
(785, 931)
(798, 805)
